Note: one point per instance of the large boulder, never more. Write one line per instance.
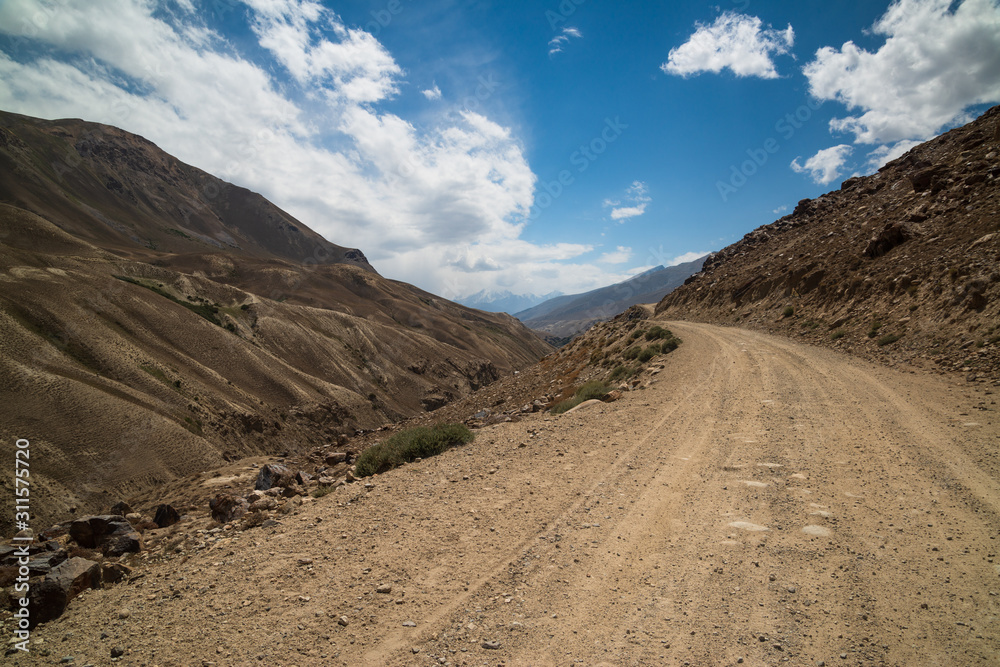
(113, 535)
(273, 475)
(48, 598)
(227, 507)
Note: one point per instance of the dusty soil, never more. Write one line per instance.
(762, 500)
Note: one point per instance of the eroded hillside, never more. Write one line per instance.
(134, 352)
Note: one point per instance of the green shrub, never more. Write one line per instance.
(632, 353)
(670, 344)
(593, 389)
(788, 311)
(838, 334)
(873, 331)
(413, 443)
(888, 339)
(621, 373)
(649, 353)
(637, 334)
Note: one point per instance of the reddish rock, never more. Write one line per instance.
(226, 507)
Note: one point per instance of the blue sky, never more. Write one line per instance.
(529, 146)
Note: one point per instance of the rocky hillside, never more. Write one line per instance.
(903, 265)
(133, 352)
(563, 317)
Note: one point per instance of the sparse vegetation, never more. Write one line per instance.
(632, 353)
(322, 491)
(621, 373)
(649, 353)
(590, 390)
(873, 330)
(658, 333)
(788, 311)
(413, 443)
(838, 334)
(888, 339)
(208, 311)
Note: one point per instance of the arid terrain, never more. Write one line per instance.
(156, 321)
(798, 460)
(760, 501)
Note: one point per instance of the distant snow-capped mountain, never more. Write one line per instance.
(504, 301)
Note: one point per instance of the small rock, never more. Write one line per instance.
(112, 573)
(117, 652)
(384, 588)
(124, 614)
(342, 621)
(334, 458)
(409, 624)
(491, 646)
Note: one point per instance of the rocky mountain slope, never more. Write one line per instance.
(566, 316)
(903, 265)
(138, 345)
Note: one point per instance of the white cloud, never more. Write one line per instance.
(356, 66)
(686, 257)
(619, 256)
(442, 205)
(935, 63)
(637, 195)
(735, 41)
(885, 154)
(825, 166)
(626, 212)
(432, 93)
(559, 42)
(781, 209)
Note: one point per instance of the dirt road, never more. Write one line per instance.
(762, 501)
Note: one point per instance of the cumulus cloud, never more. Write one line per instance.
(558, 43)
(939, 58)
(432, 93)
(735, 41)
(620, 255)
(825, 166)
(637, 198)
(298, 120)
(355, 66)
